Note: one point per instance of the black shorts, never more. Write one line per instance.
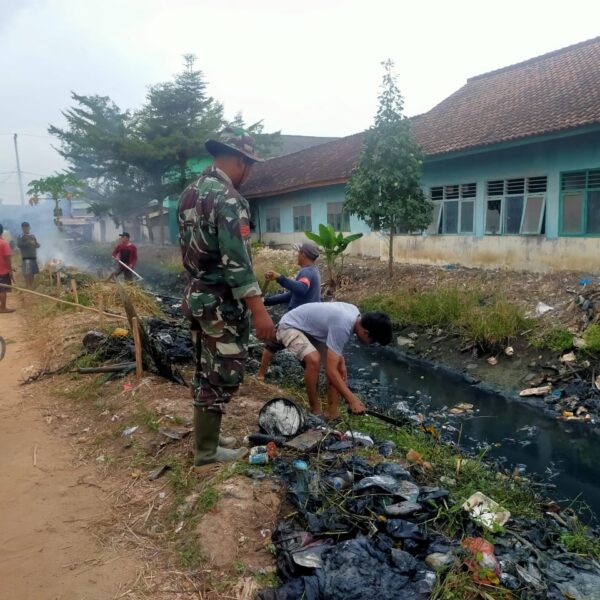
(5, 279)
(274, 347)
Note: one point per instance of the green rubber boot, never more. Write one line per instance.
(207, 426)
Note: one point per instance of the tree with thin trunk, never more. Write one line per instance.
(385, 187)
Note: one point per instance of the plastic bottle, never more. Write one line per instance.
(258, 459)
(300, 486)
(258, 450)
(341, 482)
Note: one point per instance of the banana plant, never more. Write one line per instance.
(333, 246)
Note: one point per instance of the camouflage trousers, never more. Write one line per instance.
(220, 338)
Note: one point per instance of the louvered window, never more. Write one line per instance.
(273, 220)
(302, 218)
(516, 206)
(580, 203)
(453, 208)
(337, 217)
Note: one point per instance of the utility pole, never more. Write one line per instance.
(19, 175)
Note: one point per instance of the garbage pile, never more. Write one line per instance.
(364, 525)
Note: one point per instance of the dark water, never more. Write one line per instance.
(566, 455)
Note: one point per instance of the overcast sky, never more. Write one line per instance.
(307, 67)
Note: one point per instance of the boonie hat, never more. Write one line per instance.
(309, 249)
(236, 139)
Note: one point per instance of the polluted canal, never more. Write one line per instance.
(561, 454)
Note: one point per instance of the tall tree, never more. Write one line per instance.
(385, 188)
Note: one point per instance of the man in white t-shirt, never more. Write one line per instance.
(317, 333)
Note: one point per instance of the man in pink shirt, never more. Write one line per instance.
(6, 271)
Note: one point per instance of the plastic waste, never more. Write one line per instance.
(282, 417)
(341, 482)
(542, 308)
(258, 459)
(482, 563)
(359, 438)
(301, 481)
(485, 511)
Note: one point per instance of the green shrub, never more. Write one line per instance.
(494, 324)
(556, 339)
(591, 337)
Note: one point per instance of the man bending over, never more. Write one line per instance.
(317, 333)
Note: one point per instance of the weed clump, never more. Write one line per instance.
(591, 337)
(556, 339)
(489, 322)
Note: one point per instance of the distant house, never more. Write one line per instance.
(512, 166)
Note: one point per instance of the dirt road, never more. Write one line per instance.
(50, 504)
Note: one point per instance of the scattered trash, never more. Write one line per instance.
(120, 332)
(536, 391)
(258, 459)
(414, 457)
(485, 511)
(359, 438)
(306, 441)
(568, 358)
(130, 430)
(492, 360)
(461, 409)
(440, 561)
(282, 416)
(509, 351)
(579, 342)
(405, 341)
(482, 564)
(158, 472)
(386, 448)
(175, 433)
(542, 308)
(586, 280)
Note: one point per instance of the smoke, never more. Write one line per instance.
(55, 243)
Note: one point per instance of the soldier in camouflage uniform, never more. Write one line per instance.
(214, 234)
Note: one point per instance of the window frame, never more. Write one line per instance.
(268, 219)
(454, 192)
(525, 194)
(303, 216)
(584, 204)
(344, 217)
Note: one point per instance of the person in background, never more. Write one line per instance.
(126, 252)
(6, 272)
(214, 235)
(317, 333)
(305, 288)
(28, 245)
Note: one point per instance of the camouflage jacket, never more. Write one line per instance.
(214, 235)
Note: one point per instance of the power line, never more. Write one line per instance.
(36, 135)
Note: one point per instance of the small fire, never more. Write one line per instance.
(56, 264)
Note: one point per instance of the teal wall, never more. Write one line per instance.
(530, 159)
(316, 197)
(548, 158)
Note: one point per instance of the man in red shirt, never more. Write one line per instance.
(6, 272)
(126, 252)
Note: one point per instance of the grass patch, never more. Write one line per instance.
(556, 339)
(493, 324)
(148, 417)
(189, 555)
(458, 584)
(580, 541)
(490, 322)
(591, 337)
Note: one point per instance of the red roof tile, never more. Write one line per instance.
(546, 94)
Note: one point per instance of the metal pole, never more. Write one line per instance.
(128, 268)
(20, 176)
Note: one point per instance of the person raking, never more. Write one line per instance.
(126, 252)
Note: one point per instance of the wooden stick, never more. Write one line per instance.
(18, 289)
(74, 290)
(35, 456)
(138, 347)
(101, 309)
(58, 280)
